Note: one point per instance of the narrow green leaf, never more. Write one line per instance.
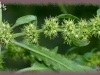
(69, 16)
(55, 49)
(58, 62)
(24, 20)
(35, 67)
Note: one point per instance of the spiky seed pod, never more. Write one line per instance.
(31, 33)
(68, 28)
(95, 23)
(50, 27)
(5, 34)
(83, 29)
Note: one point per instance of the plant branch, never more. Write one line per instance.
(18, 35)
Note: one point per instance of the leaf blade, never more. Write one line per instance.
(24, 20)
(69, 16)
(59, 63)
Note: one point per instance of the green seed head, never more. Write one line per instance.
(50, 27)
(31, 33)
(5, 33)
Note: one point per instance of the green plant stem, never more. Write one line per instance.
(0, 21)
(38, 31)
(13, 27)
(18, 35)
(0, 14)
(61, 6)
(22, 34)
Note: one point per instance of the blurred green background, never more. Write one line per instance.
(14, 11)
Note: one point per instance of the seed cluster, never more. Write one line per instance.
(5, 33)
(31, 33)
(70, 30)
(95, 24)
(50, 27)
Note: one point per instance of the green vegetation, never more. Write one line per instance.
(73, 31)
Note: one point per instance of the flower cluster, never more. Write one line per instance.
(50, 27)
(83, 30)
(71, 31)
(75, 31)
(95, 24)
(31, 33)
(5, 33)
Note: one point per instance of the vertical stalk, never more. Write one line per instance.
(0, 21)
(0, 14)
(62, 7)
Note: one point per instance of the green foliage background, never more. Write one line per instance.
(14, 11)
